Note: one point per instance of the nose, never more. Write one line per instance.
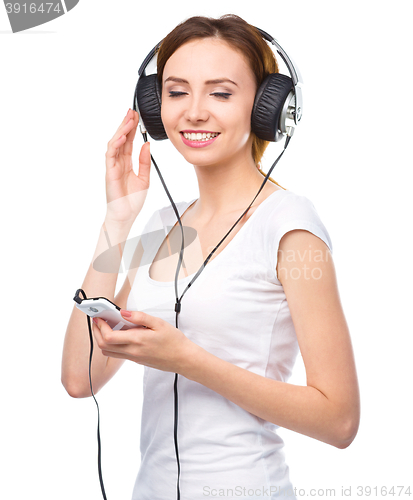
(196, 110)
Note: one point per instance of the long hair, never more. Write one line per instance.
(238, 34)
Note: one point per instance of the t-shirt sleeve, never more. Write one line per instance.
(294, 212)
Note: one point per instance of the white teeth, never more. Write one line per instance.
(200, 136)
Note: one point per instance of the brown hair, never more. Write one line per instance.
(237, 33)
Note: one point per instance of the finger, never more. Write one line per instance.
(141, 318)
(132, 117)
(130, 136)
(102, 331)
(126, 119)
(113, 150)
(110, 338)
(145, 162)
(120, 137)
(97, 333)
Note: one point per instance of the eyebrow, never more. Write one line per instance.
(208, 82)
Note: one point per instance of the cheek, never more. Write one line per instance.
(169, 117)
(240, 119)
(170, 111)
(165, 115)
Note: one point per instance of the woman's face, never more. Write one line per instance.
(208, 91)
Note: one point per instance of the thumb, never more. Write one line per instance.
(140, 318)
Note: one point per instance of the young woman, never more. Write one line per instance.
(269, 290)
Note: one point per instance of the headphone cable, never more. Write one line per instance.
(177, 311)
(178, 301)
(78, 300)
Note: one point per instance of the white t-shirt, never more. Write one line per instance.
(237, 310)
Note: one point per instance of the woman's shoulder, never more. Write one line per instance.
(287, 210)
(289, 203)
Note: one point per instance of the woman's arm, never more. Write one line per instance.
(328, 407)
(76, 348)
(125, 196)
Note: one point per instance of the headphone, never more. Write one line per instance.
(277, 108)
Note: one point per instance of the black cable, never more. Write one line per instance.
(178, 493)
(145, 138)
(210, 255)
(178, 301)
(177, 310)
(102, 487)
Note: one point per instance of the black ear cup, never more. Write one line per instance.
(268, 105)
(148, 94)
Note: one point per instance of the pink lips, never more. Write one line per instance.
(198, 144)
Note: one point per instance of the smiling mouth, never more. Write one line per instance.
(200, 136)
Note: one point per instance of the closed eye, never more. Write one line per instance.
(224, 95)
(173, 93)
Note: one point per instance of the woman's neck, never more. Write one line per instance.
(229, 187)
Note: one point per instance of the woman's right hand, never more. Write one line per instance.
(125, 191)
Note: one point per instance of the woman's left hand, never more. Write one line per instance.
(160, 345)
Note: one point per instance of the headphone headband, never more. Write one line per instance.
(149, 58)
(294, 73)
(293, 70)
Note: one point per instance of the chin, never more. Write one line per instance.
(202, 160)
(197, 157)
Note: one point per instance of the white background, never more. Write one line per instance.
(65, 88)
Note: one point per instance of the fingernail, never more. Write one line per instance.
(127, 314)
(95, 321)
